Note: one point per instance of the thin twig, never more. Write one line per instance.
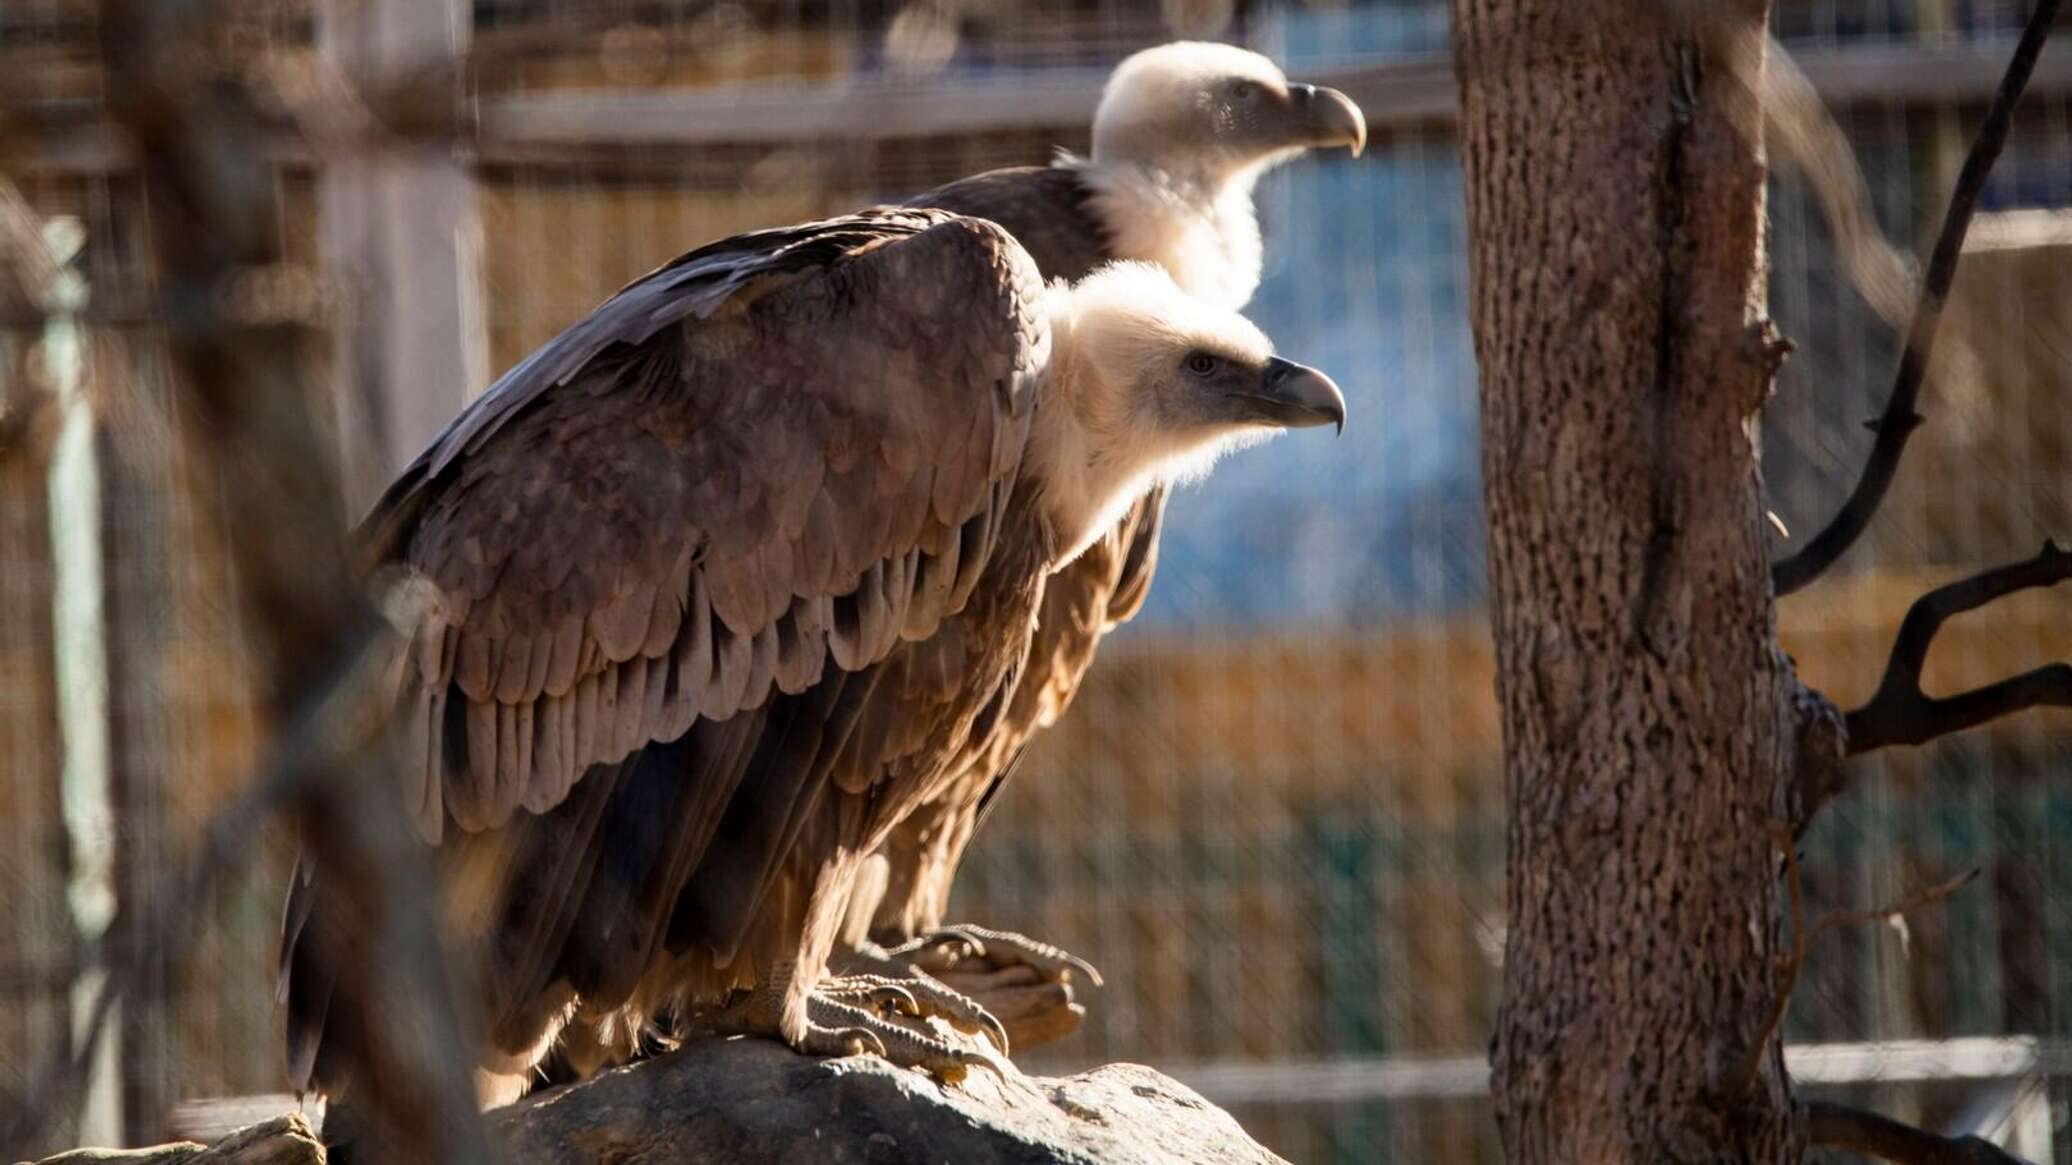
(1855, 1130)
(1745, 1073)
(1752, 1060)
(1907, 905)
(1900, 713)
(1900, 418)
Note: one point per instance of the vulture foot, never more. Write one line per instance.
(998, 948)
(1027, 984)
(836, 1027)
(872, 1015)
(920, 997)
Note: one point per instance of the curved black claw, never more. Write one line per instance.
(941, 999)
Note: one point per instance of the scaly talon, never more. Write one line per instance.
(900, 1045)
(873, 1015)
(1007, 985)
(918, 996)
(845, 1041)
(880, 993)
(1007, 949)
(940, 950)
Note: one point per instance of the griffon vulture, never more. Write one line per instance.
(722, 583)
(1182, 133)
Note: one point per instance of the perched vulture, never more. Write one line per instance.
(1181, 134)
(727, 579)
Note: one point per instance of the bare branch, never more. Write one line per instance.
(1785, 837)
(27, 418)
(1907, 905)
(1900, 713)
(211, 195)
(1900, 418)
(1855, 1130)
(22, 253)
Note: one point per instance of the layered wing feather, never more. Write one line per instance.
(1081, 603)
(779, 454)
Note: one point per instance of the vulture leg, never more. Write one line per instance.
(823, 1016)
(903, 889)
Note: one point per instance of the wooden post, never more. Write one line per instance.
(400, 232)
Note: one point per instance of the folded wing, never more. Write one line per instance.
(778, 454)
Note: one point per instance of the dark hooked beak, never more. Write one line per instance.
(1329, 117)
(1292, 396)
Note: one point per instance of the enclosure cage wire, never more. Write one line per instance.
(1281, 840)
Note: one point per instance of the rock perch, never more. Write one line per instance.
(756, 1102)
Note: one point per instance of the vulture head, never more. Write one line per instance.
(1149, 385)
(1181, 135)
(1207, 113)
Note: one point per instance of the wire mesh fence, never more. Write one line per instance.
(1274, 815)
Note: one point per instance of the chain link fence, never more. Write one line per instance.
(1274, 816)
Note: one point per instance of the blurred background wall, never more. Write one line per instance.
(1273, 817)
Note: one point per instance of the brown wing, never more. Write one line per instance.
(669, 557)
(1045, 208)
(783, 450)
(1081, 603)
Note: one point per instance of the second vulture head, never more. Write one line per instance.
(1188, 104)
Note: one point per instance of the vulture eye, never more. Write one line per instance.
(1203, 364)
(1243, 90)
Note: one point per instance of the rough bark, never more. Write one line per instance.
(1616, 252)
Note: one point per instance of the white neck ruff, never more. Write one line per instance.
(1205, 234)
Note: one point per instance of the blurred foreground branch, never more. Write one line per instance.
(237, 342)
(337, 723)
(1900, 419)
(34, 277)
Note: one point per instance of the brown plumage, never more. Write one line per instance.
(726, 580)
(1182, 133)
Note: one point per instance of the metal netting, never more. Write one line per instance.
(1274, 815)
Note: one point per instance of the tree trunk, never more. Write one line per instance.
(1615, 189)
